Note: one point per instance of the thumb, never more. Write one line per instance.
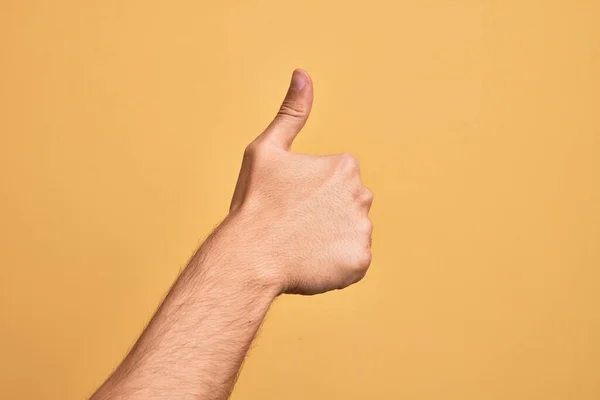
(293, 112)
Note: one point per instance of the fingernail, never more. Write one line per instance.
(298, 80)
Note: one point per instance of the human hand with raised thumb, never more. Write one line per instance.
(305, 217)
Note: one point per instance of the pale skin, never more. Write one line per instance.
(297, 224)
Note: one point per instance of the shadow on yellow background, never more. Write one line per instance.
(477, 126)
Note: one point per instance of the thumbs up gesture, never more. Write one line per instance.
(304, 216)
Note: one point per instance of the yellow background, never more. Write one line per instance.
(477, 125)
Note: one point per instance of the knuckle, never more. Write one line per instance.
(358, 267)
(368, 226)
(251, 149)
(363, 195)
(248, 153)
(363, 260)
(368, 196)
(255, 150)
(364, 226)
(291, 109)
(348, 162)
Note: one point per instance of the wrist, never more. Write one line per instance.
(234, 257)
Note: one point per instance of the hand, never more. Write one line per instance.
(306, 215)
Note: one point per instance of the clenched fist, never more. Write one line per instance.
(307, 214)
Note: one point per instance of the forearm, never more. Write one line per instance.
(196, 343)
